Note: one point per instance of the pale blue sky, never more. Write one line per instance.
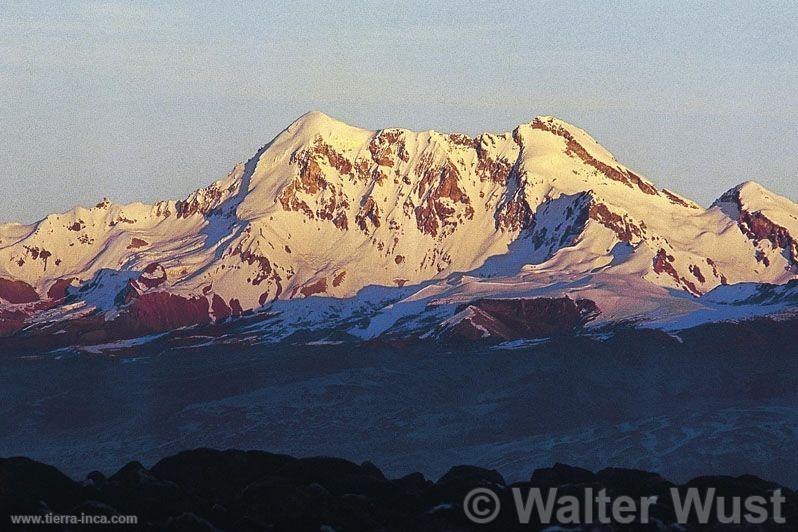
(149, 100)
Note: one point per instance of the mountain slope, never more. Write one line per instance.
(326, 209)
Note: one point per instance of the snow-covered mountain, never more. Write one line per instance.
(388, 231)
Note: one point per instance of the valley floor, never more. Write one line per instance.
(721, 400)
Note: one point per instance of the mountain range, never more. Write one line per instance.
(334, 233)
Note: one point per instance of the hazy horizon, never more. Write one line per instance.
(148, 101)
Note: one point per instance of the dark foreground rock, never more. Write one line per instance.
(206, 490)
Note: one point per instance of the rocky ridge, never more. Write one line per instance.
(207, 490)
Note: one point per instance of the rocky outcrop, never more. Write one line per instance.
(220, 308)
(206, 489)
(369, 216)
(623, 226)
(153, 276)
(678, 200)
(664, 264)
(138, 243)
(513, 319)
(264, 269)
(386, 146)
(205, 200)
(12, 321)
(16, 292)
(716, 272)
(490, 167)
(318, 287)
(60, 288)
(758, 227)
(515, 213)
(161, 311)
(441, 195)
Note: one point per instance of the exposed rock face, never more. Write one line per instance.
(512, 319)
(497, 169)
(757, 226)
(515, 213)
(60, 288)
(696, 271)
(204, 201)
(664, 264)
(159, 311)
(622, 226)
(440, 192)
(219, 308)
(153, 275)
(715, 272)
(17, 291)
(138, 243)
(678, 200)
(369, 215)
(12, 321)
(386, 147)
(319, 287)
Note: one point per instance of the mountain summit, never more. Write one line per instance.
(326, 209)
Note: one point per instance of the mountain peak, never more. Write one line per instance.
(553, 120)
(316, 123)
(747, 188)
(314, 118)
(554, 123)
(751, 194)
(753, 190)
